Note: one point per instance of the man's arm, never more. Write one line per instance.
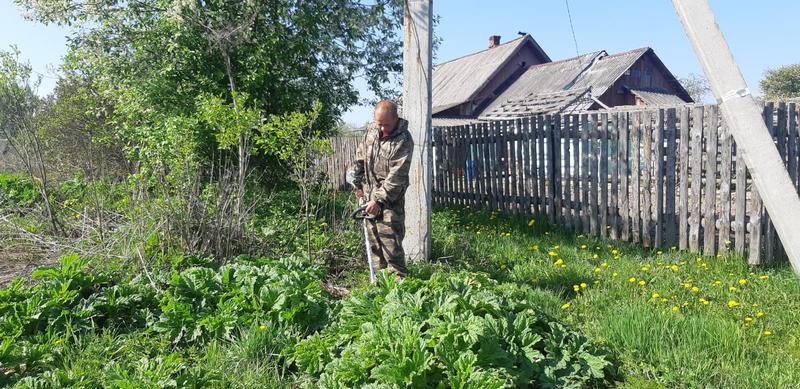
(396, 182)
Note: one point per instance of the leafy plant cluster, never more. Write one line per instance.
(186, 307)
(16, 190)
(454, 330)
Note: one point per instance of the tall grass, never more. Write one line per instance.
(676, 319)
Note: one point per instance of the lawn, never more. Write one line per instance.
(675, 319)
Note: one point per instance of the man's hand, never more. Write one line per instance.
(373, 208)
(359, 194)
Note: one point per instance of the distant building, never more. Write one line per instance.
(518, 79)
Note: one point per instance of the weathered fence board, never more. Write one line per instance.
(660, 177)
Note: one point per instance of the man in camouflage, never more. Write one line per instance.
(381, 169)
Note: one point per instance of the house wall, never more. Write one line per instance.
(644, 73)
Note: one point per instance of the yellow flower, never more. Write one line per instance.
(755, 305)
(733, 304)
(596, 281)
(663, 300)
(655, 295)
(645, 268)
(742, 281)
(767, 333)
(583, 247)
(583, 285)
(556, 247)
(597, 270)
(531, 223)
(748, 319)
(552, 253)
(615, 251)
(478, 233)
(717, 282)
(263, 327)
(760, 314)
(675, 308)
(632, 280)
(533, 248)
(594, 256)
(687, 285)
(558, 262)
(576, 288)
(615, 274)
(732, 289)
(564, 266)
(703, 301)
(674, 267)
(565, 306)
(695, 289)
(659, 252)
(642, 282)
(764, 277)
(673, 248)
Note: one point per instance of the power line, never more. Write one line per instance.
(571, 27)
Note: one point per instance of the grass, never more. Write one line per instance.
(676, 319)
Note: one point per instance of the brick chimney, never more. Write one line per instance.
(494, 41)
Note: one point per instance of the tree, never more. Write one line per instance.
(782, 83)
(152, 58)
(20, 113)
(697, 86)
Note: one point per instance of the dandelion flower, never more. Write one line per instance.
(760, 314)
(642, 282)
(764, 277)
(675, 308)
(552, 253)
(583, 285)
(632, 280)
(576, 288)
(531, 223)
(594, 256)
(659, 252)
(732, 289)
(597, 270)
(695, 289)
(558, 262)
(604, 264)
(615, 274)
(733, 304)
(565, 306)
(615, 251)
(263, 327)
(742, 281)
(674, 267)
(767, 333)
(655, 295)
(717, 282)
(748, 319)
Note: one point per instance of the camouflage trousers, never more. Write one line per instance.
(385, 234)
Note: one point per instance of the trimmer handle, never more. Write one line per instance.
(361, 213)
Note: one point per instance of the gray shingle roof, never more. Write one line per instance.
(449, 122)
(569, 85)
(455, 82)
(657, 98)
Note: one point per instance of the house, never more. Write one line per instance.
(501, 85)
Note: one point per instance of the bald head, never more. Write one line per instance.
(386, 116)
(388, 106)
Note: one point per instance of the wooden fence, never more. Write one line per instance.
(657, 177)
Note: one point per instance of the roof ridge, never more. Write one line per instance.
(642, 49)
(560, 61)
(481, 51)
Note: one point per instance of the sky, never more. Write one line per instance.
(762, 35)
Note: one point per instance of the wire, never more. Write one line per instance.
(572, 28)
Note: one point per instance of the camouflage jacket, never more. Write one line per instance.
(381, 165)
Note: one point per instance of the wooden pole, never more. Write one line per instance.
(418, 29)
(744, 120)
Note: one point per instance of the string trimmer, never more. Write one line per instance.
(361, 214)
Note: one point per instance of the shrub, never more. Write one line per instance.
(463, 330)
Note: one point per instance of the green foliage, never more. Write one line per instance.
(782, 83)
(17, 191)
(461, 330)
(203, 303)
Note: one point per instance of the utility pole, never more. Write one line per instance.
(418, 31)
(743, 116)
